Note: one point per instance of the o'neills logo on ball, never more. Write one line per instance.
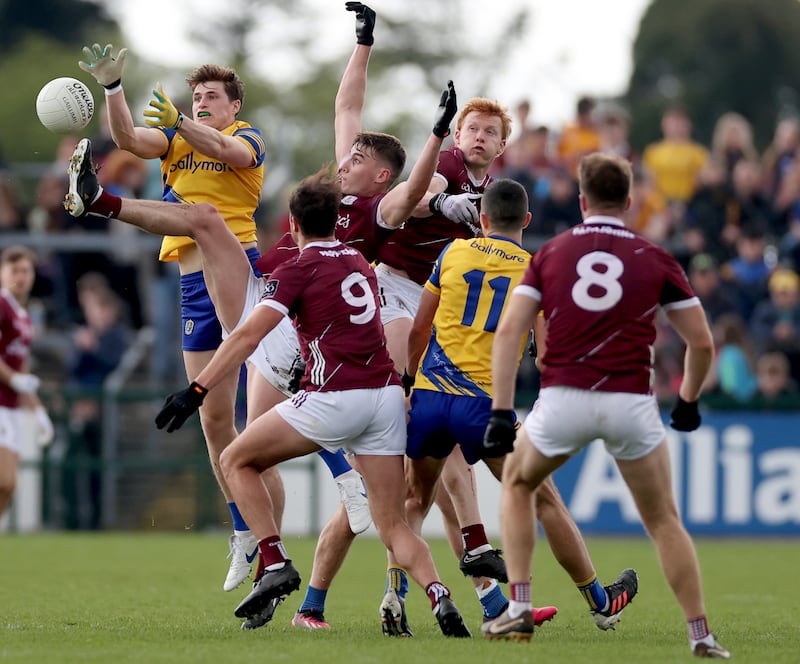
(79, 90)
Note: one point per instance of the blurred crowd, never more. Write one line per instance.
(729, 212)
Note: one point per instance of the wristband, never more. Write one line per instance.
(435, 204)
(114, 85)
(113, 89)
(179, 123)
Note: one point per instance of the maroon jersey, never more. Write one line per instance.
(416, 246)
(16, 332)
(600, 286)
(332, 293)
(356, 226)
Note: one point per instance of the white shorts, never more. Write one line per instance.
(367, 421)
(399, 296)
(276, 354)
(566, 419)
(11, 429)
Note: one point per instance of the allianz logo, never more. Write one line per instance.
(721, 478)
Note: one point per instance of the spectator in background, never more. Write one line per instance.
(734, 364)
(675, 160)
(98, 347)
(707, 215)
(579, 137)
(731, 141)
(747, 205)
(779, 163)
(717, 297)
(560, 208)
(749, 269)
(613, 126)
(775, 323)
(777, 390)
(12, 212)
(648, 213)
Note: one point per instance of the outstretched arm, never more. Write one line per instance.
(107, 70)
(398, 205)
(349, 102)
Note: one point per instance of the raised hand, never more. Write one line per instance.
(179, 406)
(102, 65)
(446, 111)
(456, 207)
(163, 113)
(365, 22)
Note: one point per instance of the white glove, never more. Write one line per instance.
(24, 383)
(45, 432)
(101, 63)
(456, 207)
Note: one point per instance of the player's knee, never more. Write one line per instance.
(207, 218)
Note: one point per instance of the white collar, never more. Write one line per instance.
(603, 219)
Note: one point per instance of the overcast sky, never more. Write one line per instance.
(573, 47)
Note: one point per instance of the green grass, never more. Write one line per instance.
(136, 597)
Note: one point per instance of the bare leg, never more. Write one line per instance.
(524, 470)
(216, 413)
(8, 477)
(261, 396)
(266, 442)
(650, 482)
(563, 536)
(332, 547)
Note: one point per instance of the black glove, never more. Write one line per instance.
(365, 22)
(446, 111)
(408, 383)
(500, 434)
(298, 371)
(179, 406)
(685, 416)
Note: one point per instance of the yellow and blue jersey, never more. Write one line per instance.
(473, 279)
(191, 177)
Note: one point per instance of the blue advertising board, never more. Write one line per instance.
(738, 474)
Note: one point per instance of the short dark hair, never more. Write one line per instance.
(315, 203)
(15, 253)
(234, 86)
(605, 180)
(385, 148)
(505, 203)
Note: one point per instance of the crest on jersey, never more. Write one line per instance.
(349, 199)
(270, 288)
(188, 328)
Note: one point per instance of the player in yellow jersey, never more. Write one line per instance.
(215, 158)
(449, 358)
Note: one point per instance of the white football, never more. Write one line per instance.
(65, 105)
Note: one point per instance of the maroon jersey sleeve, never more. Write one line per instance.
(283, 250)
(332, 293)
(600, 286)
(357, 225)
(16, 333)
(416, 246)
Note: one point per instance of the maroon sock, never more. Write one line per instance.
(473, 536)
(698, 628)
(106, 204)
(271, 551)
(435, 592)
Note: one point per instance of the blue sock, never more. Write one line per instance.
(337, 463)
(494, 602)
(314, 600)
(238, 521)
(397, 580)
(594, 594)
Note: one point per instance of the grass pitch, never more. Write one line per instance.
(139, 597)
